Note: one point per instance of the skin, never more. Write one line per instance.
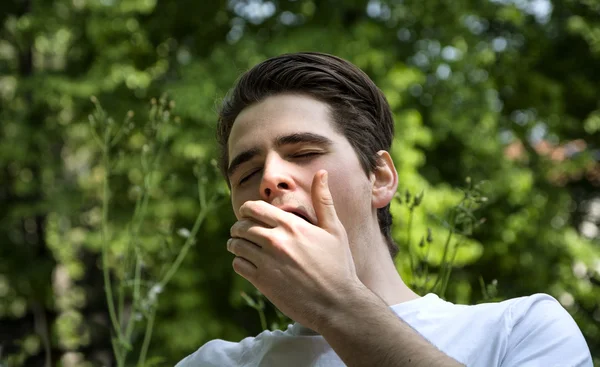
(332, 273)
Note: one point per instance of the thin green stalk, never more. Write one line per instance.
(137, 277)
(445, 268)
(137, 220)
(105, 146)
(121, 303)
(123, 128)
(140, 212)
(204, 209)
(147, 336)
(133, 232)
(133, 253)
(443, 263)
(136, 295)
(105, 265)
(446, 275)
(201, 193)
(409, 240)
(263, 319)
(188, 243)
(448, 272)
(425, 261)
(122, 354)
(96, 137)
(117, 349)
(141, 206)
(261, 312)
(484, 292)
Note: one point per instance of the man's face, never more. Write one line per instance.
(276, 147)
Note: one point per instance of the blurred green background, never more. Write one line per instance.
(501, 91)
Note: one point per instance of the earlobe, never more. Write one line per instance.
(384, 180)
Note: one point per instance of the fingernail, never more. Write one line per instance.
(324, 179)
(229, 243)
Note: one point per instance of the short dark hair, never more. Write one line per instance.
(359, 109)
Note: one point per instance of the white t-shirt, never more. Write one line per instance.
(526, 331)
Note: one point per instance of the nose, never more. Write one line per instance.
(277, 178)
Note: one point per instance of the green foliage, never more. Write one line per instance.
(126, 252)
(503, 92)
(445, 245)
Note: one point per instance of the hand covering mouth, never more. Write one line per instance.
(299, 212)
(302, 216)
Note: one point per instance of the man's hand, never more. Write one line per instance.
(308, 272)
(303, 269)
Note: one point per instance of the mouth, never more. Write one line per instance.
(299, 211)
(302, 216)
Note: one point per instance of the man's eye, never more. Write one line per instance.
(305, 154)
(247, 177)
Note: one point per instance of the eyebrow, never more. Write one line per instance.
(280, 141)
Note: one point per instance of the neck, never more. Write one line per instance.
(380, 275)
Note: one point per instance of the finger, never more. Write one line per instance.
(323, 203)
(245, 249)
(250, 230)
(244, 268)
(261, 211)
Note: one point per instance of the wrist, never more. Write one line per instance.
(351, 302)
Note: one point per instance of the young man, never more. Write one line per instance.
(305, 140)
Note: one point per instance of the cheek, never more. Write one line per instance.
(236, 203)
(242, 195)
(235, 208)
(351, 195)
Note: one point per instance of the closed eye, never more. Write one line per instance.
(247, 177)
(298, 155)
(306, 154)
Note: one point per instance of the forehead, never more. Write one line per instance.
(259, 124)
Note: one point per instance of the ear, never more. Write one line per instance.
(384, 180)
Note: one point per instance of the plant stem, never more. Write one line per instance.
(263, 319)
(137, 221)
(105, 266)
(409, 235)
(147, 336)
(136, 296)
(188, 243)
(443, 263)
(484, 292)
(448, 272)
(121, 304)
(425, 261)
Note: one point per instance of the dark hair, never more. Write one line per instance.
(359, 109)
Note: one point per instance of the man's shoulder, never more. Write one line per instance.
(516, 332)
(433, 308)
(219, 352)
(539, 310)
(514, 310)
(540, 330)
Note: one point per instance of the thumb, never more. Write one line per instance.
(323, 203)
